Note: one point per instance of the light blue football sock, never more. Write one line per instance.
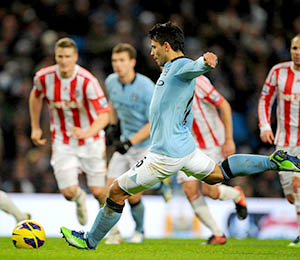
(137, 211)
(246, 164)
(107, 217)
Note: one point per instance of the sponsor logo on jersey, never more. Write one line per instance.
(65, 104)
(290, 97)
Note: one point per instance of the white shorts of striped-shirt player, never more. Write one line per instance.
(287, 177)
(69, 161)
(156, 167)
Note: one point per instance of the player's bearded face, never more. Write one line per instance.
(66, 59)
(158, 53)
(295, 52)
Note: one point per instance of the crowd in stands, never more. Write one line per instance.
(248, 36)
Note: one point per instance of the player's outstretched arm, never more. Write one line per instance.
(35, 108)
(198, 67)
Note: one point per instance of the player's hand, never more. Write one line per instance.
(36, 136)
(123, 147)
(78, 133)
(228, 148)
(210, 59)
(267, 136)
(111, 132)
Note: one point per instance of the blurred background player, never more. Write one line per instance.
(7, 205)
(129, 96)
(214, 136)
(283, 84)
(78, 113)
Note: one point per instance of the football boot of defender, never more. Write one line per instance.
(114, 236)
(216, 240)
(241, 206)
(136, 238)
(285, 162)
(74, 238)
(295, 243)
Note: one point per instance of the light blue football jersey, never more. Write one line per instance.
(131, 102)
(171, 107)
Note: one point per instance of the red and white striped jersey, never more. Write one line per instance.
(74, 101)
(208, 126)
(283, 83)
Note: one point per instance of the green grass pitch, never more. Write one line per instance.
(173, 249)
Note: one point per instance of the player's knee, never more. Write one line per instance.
(99, 194)
(69, 193)
(210, 191)
(296, 184)
(290, 198)
(116, 193)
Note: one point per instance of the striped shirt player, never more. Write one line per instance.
(73, 102)
(78, 113)
(208, 127)
(283, 85)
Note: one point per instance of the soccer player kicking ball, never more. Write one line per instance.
(172, 144)
(78, 113)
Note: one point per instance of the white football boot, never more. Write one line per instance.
(114, 236)
(136, 238)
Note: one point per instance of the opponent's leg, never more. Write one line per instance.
(7, 205)
(201, 210)
(137, 211)
(225, 192)
(75, 193)
(296, 191)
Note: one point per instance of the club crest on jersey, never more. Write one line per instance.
(160, 83)
(134, 97)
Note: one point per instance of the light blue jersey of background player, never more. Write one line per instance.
(171, 106)
(132, 105)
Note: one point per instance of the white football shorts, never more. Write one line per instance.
(68, 161)
(155, 167)
(286, 178)
(214, 153)
(121, 163)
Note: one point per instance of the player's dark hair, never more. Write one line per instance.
(121, 47)
(66, 43)
(168, 32)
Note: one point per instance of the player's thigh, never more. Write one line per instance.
(118, 165)
(66, 166)
(93, 163)
(149, 171)
(198, 164)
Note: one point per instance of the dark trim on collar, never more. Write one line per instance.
(180, 57)
(123, 84)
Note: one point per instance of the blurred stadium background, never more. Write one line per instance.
(249, 37)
